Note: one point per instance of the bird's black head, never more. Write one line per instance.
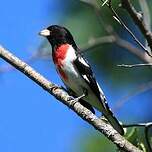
(58, 35)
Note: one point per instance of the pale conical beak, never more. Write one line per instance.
(44, 33)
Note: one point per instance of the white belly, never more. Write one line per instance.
(75, 82)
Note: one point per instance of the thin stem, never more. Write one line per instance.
(126, 4)
(120, 21)
(134, 65)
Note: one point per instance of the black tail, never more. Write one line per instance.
(111, 118)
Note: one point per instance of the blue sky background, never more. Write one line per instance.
(30, 118)
(26, 120)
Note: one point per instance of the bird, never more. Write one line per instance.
(76, 73)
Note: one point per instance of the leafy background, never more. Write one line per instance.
(31, 119)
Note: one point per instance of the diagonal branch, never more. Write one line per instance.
(134, 65)
(137, 18)
(63, 97)
(96, 42)
(121, 22)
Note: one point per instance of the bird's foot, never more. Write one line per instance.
(103, 118)
(80, 97)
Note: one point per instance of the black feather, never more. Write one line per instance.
(87, 105)
(83, 102)
(87, 74)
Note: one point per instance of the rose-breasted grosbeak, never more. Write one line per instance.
(76, 73)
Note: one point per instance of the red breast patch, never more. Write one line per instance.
(58, 56)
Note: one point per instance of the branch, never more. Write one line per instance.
(63, 97)
(41, 54)
(138, 20)
(147, 127)
(96, 42)
(8, 68)
(134, 65)
(94, 5)
(114, 37)
(146, 13)
(134, 50)
(121, 22)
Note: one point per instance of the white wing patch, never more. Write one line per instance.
(83, 61)
(99, 88)
(70, 56)
(86, 78)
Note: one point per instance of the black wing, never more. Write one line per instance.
(84, 68)
(83, 102)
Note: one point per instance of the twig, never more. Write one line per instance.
(120, 21)
(145, 12)
(96, 8)
(146, 126)
(106, 1)
(126, 4)
(134, 50)
(113, 37)
(137, 125)
(96, 42)
(134, 65)
(62, 96)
